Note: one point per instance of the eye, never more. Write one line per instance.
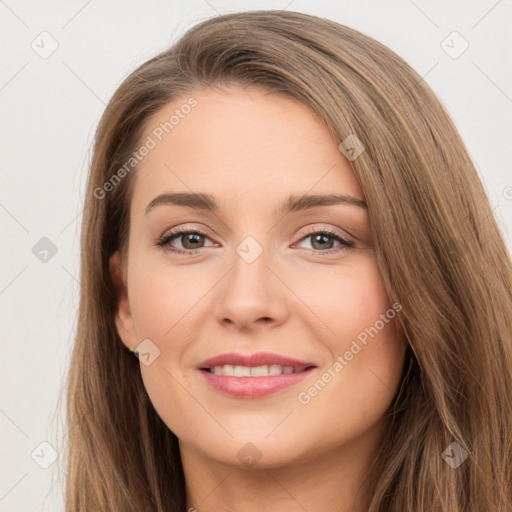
(322, 241)
(191, 240)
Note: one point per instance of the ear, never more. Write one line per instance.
(123, 316)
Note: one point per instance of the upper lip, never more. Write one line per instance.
(257, 359)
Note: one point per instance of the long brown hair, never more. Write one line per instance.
(438, 247)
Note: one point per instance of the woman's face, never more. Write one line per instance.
(280, 287)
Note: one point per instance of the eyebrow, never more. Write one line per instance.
(292, 203)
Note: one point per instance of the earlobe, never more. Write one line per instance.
(123, 315)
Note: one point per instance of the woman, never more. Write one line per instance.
(284, 227)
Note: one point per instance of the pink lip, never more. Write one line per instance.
(258, 359)
(253, 387)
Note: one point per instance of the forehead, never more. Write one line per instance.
(244, 145)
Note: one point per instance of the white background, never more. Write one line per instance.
(50, 108)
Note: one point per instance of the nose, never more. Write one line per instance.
(251, 296)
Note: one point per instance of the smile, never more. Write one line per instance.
(253, 376)
(254, 371)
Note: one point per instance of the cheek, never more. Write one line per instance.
(344, 303)
(165, 304)
(163, 300)
(365, 353)
(368, 342)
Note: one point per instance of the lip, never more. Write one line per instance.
(258, 359)
(253, 387)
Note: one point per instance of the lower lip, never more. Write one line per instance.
(253, 387)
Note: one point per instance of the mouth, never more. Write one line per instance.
(253, 376)
(230, 370)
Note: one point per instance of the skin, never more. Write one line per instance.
(250, 149)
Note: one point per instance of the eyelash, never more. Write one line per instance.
(165, 241)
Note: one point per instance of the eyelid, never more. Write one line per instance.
(332, 231)
(185, 228)
(175, 232)
(313, 229)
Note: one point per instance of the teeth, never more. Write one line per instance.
(259, 371)
(275, 369)
(242, 371)
(253, 371)
(228, 369)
